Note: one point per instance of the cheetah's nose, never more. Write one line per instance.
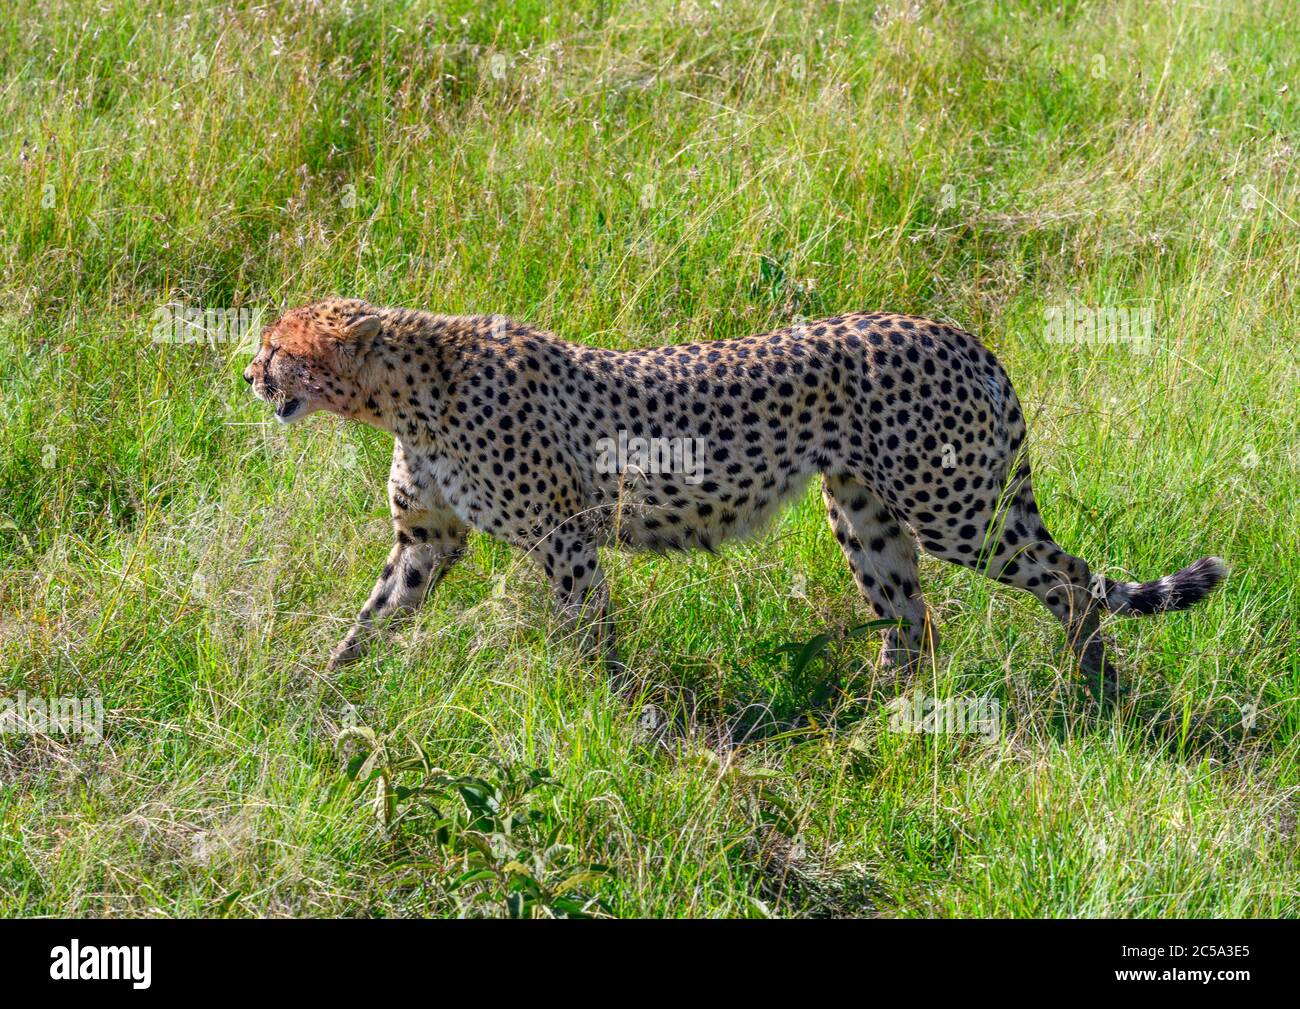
(248, 374)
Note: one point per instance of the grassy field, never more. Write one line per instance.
(624, 175)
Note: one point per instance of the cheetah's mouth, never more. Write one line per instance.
(288, 410)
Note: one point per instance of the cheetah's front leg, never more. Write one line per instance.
(430, 539)
(572, 565)
(412, 570)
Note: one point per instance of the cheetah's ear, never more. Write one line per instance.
(360, 332)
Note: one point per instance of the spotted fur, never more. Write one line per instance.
(912, 425)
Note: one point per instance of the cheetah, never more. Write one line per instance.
(911, 424)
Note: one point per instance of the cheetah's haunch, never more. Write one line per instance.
(557, 447)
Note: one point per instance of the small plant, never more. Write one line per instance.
(802, 654)
(808, 686)
(499, 854)
(799, 681)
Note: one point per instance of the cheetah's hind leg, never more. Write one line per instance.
(1007, 541)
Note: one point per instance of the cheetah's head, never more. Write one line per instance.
(309, 358)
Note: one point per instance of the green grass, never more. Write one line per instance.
(626, 174)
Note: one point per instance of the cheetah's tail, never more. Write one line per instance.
(1173, 592)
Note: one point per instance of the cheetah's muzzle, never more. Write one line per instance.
(912, 425)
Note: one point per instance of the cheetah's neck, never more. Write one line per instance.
(403, 378)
